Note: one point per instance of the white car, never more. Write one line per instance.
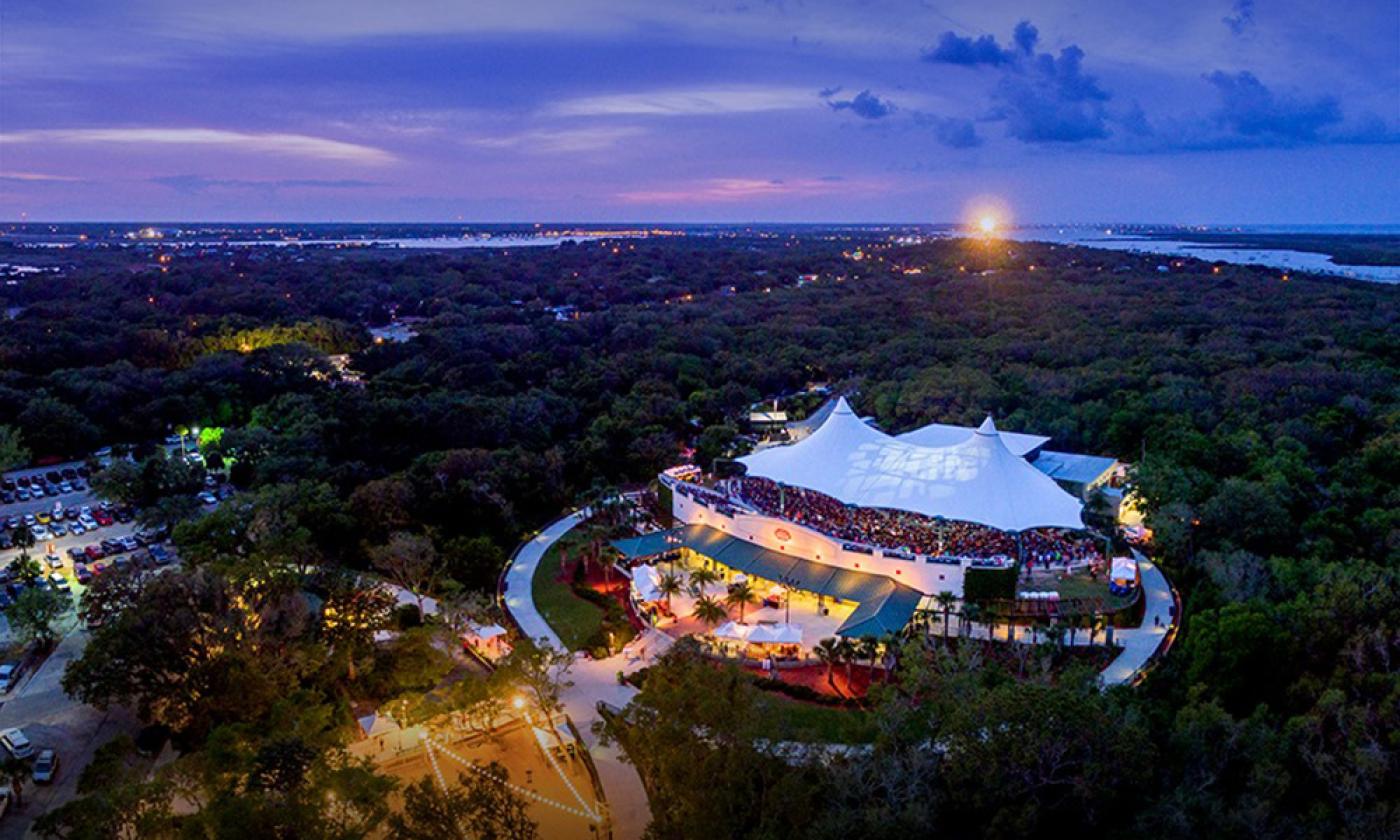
(45, 766)
(76, 528)
(54, 561)
(40, 532)
(88, 523)
(13, 739)
(59, 582)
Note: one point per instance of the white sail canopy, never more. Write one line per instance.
(979, 480)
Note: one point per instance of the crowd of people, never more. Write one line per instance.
(903, 531)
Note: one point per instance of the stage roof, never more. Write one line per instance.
(978, 480)
(942, 434)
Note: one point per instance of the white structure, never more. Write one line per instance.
(976, 480)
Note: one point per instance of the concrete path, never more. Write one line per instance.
(519, 597)
(593, 681)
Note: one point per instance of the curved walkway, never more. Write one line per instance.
(594, 680)
(1140, 643)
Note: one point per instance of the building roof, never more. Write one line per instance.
(883, 606)
(978, 480)
(942, 434)
(1068, 466)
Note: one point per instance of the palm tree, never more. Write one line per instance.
(889, 644)
(971, 613)
(870, 651)
(1075, 622)
(1095, 625)
(741, 595)
(829, 652)
(945, 601)
(669, 585)
(847, 653)
(702, 577)
(708, 611)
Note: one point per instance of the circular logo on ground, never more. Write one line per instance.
(782, 534)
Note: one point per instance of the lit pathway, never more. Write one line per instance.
(593, 681)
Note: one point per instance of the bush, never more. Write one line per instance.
(800, 692)
(407, 616)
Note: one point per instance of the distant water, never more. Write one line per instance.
(423, 242)
(1270, 257)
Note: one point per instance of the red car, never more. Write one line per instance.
(94, 552)
(103, 517)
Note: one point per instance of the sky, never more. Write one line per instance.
(1081, 111)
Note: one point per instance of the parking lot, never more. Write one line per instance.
(36, 703)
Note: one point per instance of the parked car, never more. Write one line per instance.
(53, 476)
(82, 575)
(7, 496)
(45, 766)
(59, 581)
(129, 543)
(23, 494)
(76, 555)
(121, 564)
(40, 532)
(58, 529)
(6, 541)
(78, 485)
(43, 517)
(10, 672)
(54, 561)
(13, 740)
(87, 522)
(76, 529)
(103, 518)
(123, 514)
(112, 546)
(160, 555)
(69, 473)
(94, 552)
(65, 487)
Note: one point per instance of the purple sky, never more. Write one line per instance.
(1250, 111)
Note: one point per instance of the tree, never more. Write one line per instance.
(669, 585)
(869, 650)
(34, 613)
(192, 649)
(478, 807)
(701, 578)
(169, 511)
(13, 452)
(542, 671)
(708, 611)
(945, 601)
(410, 562)
(828, 650)
(351, 616)
(846, 651)
(740, 595)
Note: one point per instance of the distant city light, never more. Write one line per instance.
(988, 224)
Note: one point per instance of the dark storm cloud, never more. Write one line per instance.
(864, 104)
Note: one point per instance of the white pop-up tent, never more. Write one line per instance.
(733, 631)
(776, 634)
(979, 480)
(646, 583)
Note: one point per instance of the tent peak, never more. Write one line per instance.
(842, 407)
(987, 427)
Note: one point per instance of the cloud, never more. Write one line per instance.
(1042, 98)
(865, 105)
(686, 102)
(559, 141)
(36, 177)
(1241, 17)
(1248, 109)
(953, 132)
(290, 145)
(967, 52)
(198, 183)
(719, 190)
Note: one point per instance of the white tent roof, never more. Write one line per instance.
(732, 630)
(978, 480)
(776, 634)
(942, 434)
(646, 582)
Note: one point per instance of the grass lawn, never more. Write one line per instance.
(1078, 586)
(576, 620)
(800, 721)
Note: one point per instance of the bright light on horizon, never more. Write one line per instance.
(988, 224)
